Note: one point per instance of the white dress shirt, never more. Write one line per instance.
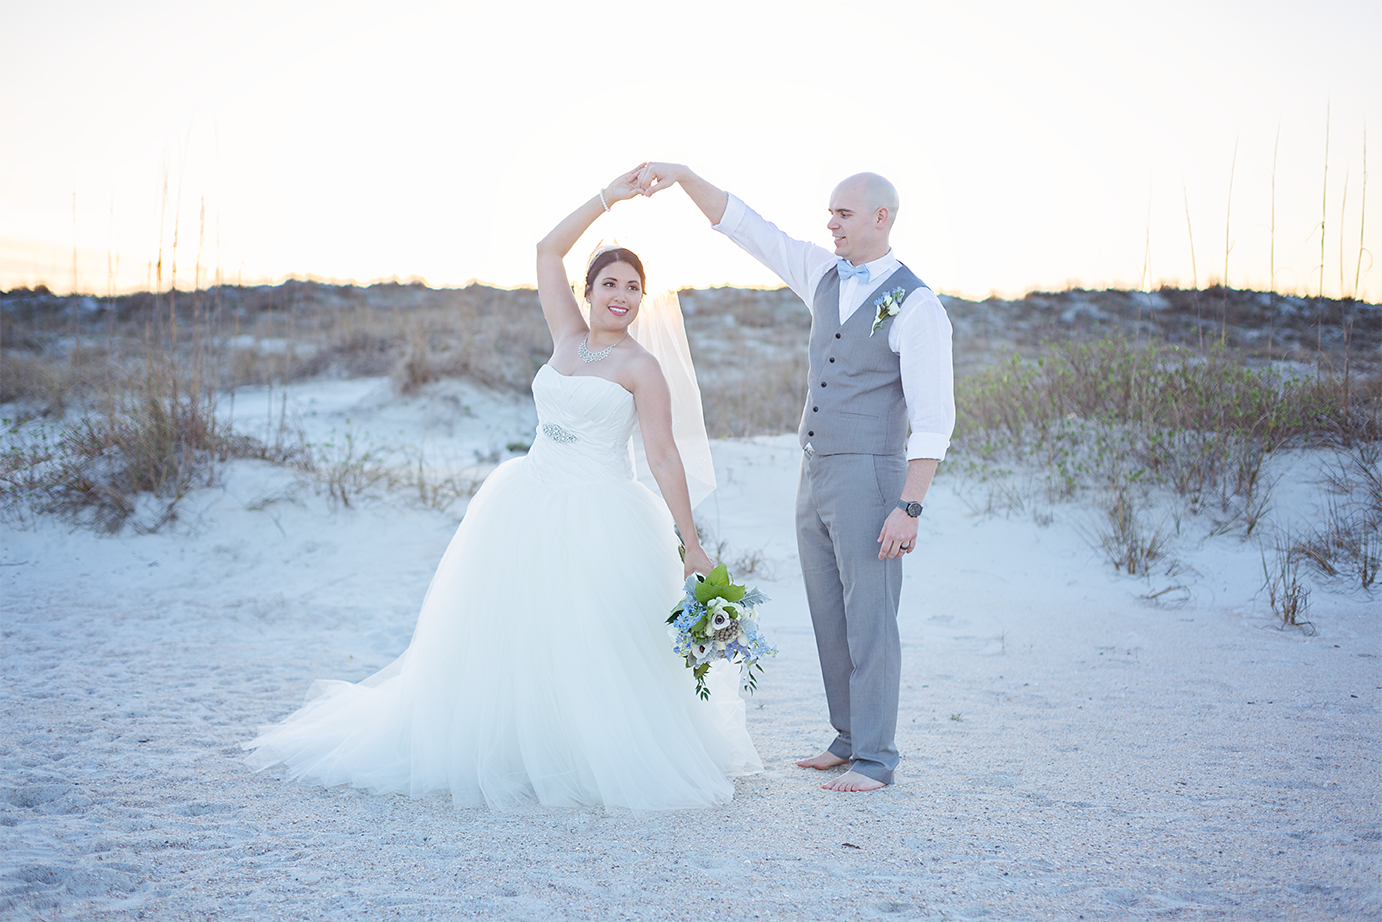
(919, 334)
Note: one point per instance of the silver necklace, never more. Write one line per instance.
(587, 356)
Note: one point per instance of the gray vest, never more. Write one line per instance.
(854, 402)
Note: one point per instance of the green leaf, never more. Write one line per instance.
(717, 585)
(701, 688)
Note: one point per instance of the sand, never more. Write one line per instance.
(1070, 749)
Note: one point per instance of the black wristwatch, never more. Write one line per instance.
(912, 509)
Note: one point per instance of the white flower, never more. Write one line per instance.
(720, 619)
(700, 652)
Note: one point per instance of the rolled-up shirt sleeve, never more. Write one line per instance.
(928, 375)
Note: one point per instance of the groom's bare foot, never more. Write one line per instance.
(823, 761)
(852, 781)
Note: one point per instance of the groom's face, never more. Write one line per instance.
(854, 225)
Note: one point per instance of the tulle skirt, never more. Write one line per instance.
(540, 668)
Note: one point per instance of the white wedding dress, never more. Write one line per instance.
(540, 668)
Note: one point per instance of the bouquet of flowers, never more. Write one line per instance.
(718, 620)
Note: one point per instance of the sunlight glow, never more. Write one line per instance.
(1034, 146)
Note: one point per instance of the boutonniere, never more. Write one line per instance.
(887, 306)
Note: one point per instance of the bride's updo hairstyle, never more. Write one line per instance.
(613, 255)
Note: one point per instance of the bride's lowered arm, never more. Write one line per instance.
(653, 401)
(559, 307)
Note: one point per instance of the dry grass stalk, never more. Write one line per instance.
(765, 400)
(1201, 425)
(1346, 544)
(150, 437)
(1287, 593)
(416, 368)
(1129, 542)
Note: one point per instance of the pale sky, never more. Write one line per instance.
(1034, 146)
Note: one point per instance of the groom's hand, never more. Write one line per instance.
(658, 176)
(899, 535)
(711, 200)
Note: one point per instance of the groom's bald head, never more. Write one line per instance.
(872, 192)
(862, 209)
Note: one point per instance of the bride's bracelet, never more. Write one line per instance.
(602, 200)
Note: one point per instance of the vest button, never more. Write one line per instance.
(810, 432)
(815, 409)
(832, 361)
(837, 335)
(822, 384)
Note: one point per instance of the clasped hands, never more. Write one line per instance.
(645, 179)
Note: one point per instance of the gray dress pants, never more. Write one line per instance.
(842, 501)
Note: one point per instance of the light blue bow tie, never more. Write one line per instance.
(848, 271)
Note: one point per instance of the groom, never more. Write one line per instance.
(879, 362)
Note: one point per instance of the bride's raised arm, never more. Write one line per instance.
(559, 305)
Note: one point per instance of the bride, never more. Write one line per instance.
(540, 668)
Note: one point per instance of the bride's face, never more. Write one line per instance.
(615, 296)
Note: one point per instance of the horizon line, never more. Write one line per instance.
(409, 281)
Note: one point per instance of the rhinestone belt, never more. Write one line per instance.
(558, 434)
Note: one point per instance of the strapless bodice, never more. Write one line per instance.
(583, 429)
